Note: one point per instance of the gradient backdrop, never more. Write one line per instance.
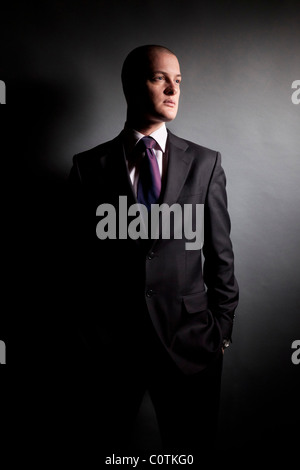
(61, 62)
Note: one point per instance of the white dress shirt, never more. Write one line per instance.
(131, 138)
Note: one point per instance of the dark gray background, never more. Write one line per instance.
(61, 62)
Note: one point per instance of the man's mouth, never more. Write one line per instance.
(170, 103)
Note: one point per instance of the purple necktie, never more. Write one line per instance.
(149, 184)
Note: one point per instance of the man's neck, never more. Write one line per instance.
(145, 128)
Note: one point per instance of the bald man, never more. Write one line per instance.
(153, 312)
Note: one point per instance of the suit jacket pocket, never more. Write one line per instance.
(195, 303)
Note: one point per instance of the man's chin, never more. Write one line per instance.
(167, 117)
(161, 117)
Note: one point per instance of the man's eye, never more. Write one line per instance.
(178, 81)
(159, 77)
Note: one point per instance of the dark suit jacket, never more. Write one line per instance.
(117, 282)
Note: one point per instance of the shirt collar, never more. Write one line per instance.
(132, 137)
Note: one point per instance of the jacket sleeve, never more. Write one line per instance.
(222, 287)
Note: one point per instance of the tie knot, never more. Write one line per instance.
(148, 142)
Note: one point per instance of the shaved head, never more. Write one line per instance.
(136, 65)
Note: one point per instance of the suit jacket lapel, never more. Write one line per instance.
(119, 175)
(119, 180)
(179, 163)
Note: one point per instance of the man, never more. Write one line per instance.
(149, 317)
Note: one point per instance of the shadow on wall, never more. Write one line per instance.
(37, 108)
(35, 202)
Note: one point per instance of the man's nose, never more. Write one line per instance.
(172, 89)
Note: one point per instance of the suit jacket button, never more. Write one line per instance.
(149, 293)
(151, 255)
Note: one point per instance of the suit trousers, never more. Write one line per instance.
(186, 406)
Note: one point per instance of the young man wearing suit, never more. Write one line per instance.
(150, 314)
